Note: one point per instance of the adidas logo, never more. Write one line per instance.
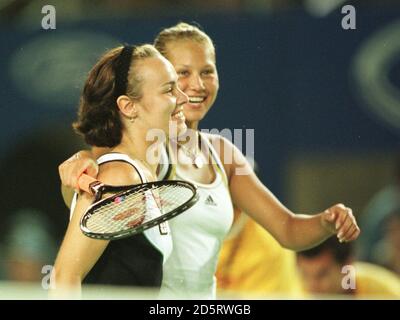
(210, 201)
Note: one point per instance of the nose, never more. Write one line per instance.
(181, 97)
(196, 83)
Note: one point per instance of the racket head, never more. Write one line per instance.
(114, 217)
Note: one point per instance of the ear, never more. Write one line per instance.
(127, 106)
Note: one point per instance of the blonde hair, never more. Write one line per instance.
(179, 32)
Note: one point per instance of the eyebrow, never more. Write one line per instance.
(169, 83)
(187, 66)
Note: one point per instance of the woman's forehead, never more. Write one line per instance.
(156, 71)
(181, 48)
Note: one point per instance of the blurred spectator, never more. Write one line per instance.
(372, 221)
(30, 175)
(28, 246)
(323, 273)
(389, 247)
(33, 213)
(252, 263)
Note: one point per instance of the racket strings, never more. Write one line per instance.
(130, 210)
(112, 216)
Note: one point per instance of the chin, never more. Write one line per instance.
(194, 116)
(195, 108)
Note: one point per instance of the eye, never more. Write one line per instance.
(169, 90)
(207, 72)
(183, 73)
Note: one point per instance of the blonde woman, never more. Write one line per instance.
(222, 183)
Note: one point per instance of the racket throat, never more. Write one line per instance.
(96, 188)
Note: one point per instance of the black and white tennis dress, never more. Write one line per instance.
(134, 261)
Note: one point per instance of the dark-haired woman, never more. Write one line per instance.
(129, 91)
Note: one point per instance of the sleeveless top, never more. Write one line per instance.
(197, 235)
(136, 260)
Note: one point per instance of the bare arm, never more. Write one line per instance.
(292, 231)
(79, 253)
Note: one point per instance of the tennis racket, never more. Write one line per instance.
(129, 210)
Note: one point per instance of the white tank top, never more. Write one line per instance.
(197, 235)
(161, 241)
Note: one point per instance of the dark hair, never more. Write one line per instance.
(99, 119)
(341, 252)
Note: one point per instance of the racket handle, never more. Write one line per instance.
(87, 182)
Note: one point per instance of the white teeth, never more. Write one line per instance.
(196, 99)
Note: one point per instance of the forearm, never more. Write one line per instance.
(305, 231)
(293, 231)
(77, 254)
(65, 285)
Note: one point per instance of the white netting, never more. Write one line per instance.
(136, 208)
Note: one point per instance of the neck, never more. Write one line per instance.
(134, 144)
(189, 151)
(194, 125)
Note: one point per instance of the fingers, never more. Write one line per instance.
(87, 166)
(71, 169)
(352, 232)
(339, 209)
(345, 224)
(345, 228)
(354, 235)
(330, 215)
(328, 220)
(64, 170)
(92, 169)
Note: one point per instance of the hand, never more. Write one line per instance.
(339, 220)
(71, 169)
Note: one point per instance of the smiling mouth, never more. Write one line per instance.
(177, 111)
(195, 100)
(178, 114)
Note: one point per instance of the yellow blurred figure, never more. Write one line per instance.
(375, 280)
(252, 263)
(330, 269)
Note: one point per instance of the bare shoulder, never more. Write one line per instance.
(225, 150)
(118, 173)
(230, 155)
